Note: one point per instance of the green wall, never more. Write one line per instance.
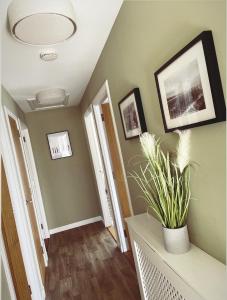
(145, 35)
(67, 185)
(5, 295)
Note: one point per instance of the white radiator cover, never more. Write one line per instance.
(163, 276)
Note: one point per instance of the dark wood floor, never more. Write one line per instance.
(85, 264)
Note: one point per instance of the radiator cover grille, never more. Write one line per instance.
(156, 285)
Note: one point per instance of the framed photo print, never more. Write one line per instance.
(59, 144)
(189, 86)
(132, 115)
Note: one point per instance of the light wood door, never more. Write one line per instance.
(113, 232)
(28, 195)
(12, 245)
(116, 161)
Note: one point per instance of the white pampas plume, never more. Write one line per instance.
(183, 149)
(148, 143)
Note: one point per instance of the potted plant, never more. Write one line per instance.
(165, 184)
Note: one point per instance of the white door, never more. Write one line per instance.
(34, 186)
(101, 162)
(109, 172)
(98, 166)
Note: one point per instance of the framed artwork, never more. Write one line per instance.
(189, 86)
(132, 115)
(59, 144)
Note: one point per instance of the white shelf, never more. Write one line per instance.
(203, 273)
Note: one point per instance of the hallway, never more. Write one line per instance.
(85, 263)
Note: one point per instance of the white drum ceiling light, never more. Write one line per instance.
(41, 22)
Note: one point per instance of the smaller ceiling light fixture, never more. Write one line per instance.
(48, 55)
(41, 22)
(49, 98)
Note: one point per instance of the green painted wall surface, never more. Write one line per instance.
(145, 35)
(8, 101)
(67, 184)
(5, 295)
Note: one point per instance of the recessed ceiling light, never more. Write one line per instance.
(41, 22)
(49, 98)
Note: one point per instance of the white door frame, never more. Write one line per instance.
(29, 158)
(20, 211)
(98, 165)
(34, 187)
(113, 191)
(103, 96)
(100, 98)
(8, 114)
(5, 264)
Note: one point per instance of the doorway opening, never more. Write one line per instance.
(12, 247)
(27, 192)
(20, 213)
(100, 125)
(34, 185)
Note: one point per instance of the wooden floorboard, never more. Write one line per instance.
(85, 264)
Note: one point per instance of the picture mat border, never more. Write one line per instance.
(206, 38)
(49, 144)
(194, 53)
(130, 100)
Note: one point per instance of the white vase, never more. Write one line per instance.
(176, 240)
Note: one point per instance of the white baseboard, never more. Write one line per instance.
(76, 224)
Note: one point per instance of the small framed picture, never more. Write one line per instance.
(132, 115)
(189, 86)
(59, 144)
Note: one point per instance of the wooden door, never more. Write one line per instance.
(112, 228)
(12, 245)
(116, 161)
(28, 195)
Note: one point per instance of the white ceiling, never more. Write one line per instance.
(24, 73)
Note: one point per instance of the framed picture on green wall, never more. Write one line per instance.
(59, 145)
(189, 86)
(132, 115)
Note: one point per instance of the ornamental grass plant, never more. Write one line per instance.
(164, 181)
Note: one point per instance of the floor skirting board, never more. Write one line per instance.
(76, 224)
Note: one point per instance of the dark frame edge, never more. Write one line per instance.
(214, 79)
(139, 105)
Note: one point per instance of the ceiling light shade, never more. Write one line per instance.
(49, 98)
(41, 22)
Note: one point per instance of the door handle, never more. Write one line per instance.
(28, 201)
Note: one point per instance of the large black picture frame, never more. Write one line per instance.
(132, 115)
(189, 86)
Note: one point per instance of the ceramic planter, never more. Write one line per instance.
(176, 241)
